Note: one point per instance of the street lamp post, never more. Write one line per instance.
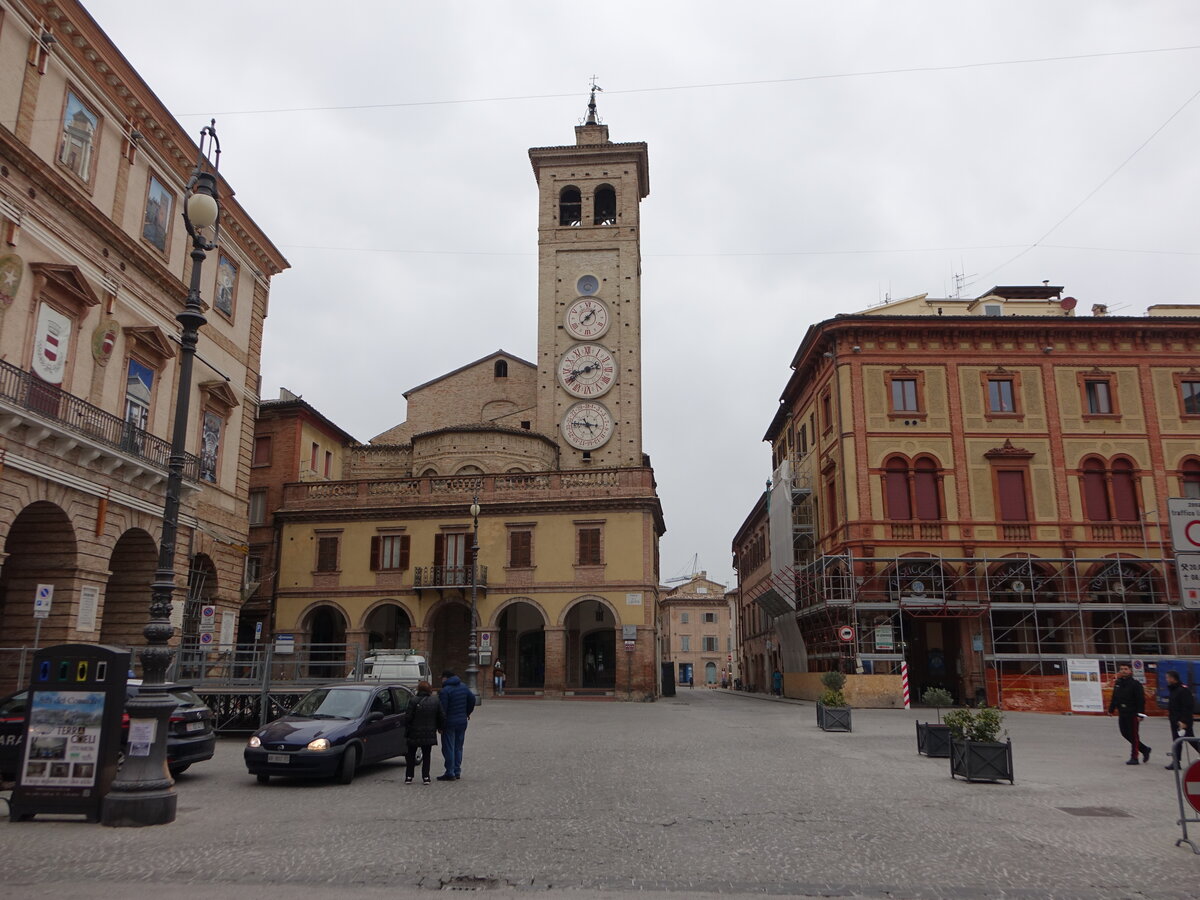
(143, 792)
(472, 645)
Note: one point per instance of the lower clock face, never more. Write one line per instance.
(587, 370)
(587, 425)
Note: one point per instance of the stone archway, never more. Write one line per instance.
(521, 646)
(591, 635)
(450, 632)
(41, 549)
(388, 627)
(326, 629)
(127, 594)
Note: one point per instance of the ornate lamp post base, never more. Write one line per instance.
(142, 793)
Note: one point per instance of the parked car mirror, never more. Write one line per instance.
(374, 716)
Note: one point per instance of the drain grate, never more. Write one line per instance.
(471, 883)
(1102, 812)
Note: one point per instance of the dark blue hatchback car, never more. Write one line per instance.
(332, 731)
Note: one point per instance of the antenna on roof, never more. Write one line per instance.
(591, 116)
(961, 283)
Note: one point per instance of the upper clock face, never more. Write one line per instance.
(587, 318)
(587, 285)
(587, 370)
(587, 425)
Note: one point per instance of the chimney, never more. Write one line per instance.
(1099, 309)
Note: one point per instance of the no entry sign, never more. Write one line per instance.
(846, 633)
(1191, 785)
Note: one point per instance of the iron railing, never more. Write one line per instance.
(48, 401)
(448, 576)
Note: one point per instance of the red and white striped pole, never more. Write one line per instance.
(904, 683)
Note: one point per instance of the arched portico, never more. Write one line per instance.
(591, 645)
(127, 594)
(521, 644)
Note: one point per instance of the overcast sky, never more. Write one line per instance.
(806, 159)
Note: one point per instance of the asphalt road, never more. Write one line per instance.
(707, 793)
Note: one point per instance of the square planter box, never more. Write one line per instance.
(834, 718)
(981, 760)
(933, 739)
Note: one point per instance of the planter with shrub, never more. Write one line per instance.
(933, 739)
(976, 753)
(833, 713)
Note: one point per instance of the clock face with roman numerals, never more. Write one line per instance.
(587, 425)
(587, 370)
(587, 318)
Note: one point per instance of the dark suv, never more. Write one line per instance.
(190, 736)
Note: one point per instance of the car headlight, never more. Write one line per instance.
(318, 744)
(254, 741)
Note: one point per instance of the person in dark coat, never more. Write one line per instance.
(1181, 711)
(1129, 703)
(424, 720)
(457, 703)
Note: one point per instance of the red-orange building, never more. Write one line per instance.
(978, 488)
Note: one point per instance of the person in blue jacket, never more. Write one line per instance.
(457, 703)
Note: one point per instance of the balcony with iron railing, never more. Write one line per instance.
(26, 399)
(449, 576)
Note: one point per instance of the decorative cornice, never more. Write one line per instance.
(1008, 451)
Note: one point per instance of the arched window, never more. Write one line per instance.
(570, 207)
(605, 205)
(1095, 491)
(1109, 490)
(1189, 478)
(501, 368)
(896, 488)
(925, 489)
(913, 491)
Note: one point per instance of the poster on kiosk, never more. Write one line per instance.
(72, 734)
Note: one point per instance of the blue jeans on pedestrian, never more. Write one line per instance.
(452, 747)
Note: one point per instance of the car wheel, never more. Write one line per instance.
(176, 771)
(349, 764)
(262, 779)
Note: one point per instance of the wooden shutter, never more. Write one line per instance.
(404, 542)
(1010, 484)
(589, 546)
(925, 489)
(375, 545)
(439, 549)
(896, 490)
(520, 549)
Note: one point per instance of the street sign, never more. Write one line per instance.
(285, 643)
(885, 640)
(206, 638)
(1187, 569)
(1184, 513)
(845, 634)
(1191, 785)
(42, 600)
(258, 631)
(208, 619)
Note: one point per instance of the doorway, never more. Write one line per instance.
(934, 655)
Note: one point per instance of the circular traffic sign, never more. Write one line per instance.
(846, 633)
(206, 638)
(1191, 785)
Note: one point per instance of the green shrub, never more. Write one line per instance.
(982, 724)
(833, 680)
(937, 697)
(833, 698)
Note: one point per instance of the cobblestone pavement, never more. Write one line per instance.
(707, 793)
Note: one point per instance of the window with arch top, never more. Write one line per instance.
(570, 207)
(605, 205)
(1189, 478)
(1109, 490)
(500, 370)
(912, 490)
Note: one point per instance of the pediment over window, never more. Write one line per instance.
(1008, 451)
(219, 394)
(151, 341)
(64, 285)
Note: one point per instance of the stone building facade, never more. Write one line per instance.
(93, 270)
(978, 488)
(697, 632)
(564, 586)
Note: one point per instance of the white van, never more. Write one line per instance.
(400, 666)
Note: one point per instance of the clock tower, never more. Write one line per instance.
(589, 382)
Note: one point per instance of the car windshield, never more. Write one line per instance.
(332, 703)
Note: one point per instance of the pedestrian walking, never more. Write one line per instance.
(498, 678)
(457, 703)
(424, 719)
(777, 683)
(1129, 703)
(1181, 711)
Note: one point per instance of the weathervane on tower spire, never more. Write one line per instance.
(591, 116)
